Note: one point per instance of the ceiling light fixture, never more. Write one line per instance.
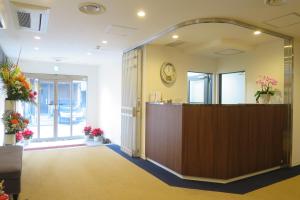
(104, 42)
(36, 48)
(275, 2)
(37, 37)
(89, 53)
(92, 8)
(141, 13)
(257, 32)
(175, 37)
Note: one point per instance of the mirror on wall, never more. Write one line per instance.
(238, 61)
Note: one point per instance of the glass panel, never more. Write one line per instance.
(47, 103)
(200, 88)
(197, 91)
(79, 92)
(233, 88)
(64, 109)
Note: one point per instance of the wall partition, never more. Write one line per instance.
(60, 112)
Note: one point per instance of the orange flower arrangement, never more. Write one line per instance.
(14, 122)
(16, 85)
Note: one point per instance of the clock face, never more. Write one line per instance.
(168, 73)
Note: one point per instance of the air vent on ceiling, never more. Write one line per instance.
(229, 52)
(120, 30)
(31, 17)
(92, 8)
(285, 20)
(175, 44)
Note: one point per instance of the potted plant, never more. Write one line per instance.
(87, 132)
(13, 123)
(266, 91)
(98, 135)
(17, 89)
(27, 134)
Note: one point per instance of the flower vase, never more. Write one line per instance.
(264, 98)
(10, 139)
(27, 142)
(10, 105)
(86, 138)
(98, 139)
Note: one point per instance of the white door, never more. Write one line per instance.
(131, 102)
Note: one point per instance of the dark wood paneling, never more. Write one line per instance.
(164, 135)
(216, 141)
(227, 141)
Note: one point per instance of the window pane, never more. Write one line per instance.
(197, 91)
(233, 88)
(200, 88)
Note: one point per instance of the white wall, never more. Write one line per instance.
(71, 69)
(109, 89)
(264, 59)
(296, 108)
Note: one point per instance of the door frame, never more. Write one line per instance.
(56, 78)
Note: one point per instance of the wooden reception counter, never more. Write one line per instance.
(218, 143)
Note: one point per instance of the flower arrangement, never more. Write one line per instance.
(19, 136)
(14, 122)
(15, 83)
(97, 132)
(87, 130)
(266, 84)
(27, 134)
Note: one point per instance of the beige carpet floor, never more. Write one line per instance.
(98, 173)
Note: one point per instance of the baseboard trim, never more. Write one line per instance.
(212, 180)
(296, 164)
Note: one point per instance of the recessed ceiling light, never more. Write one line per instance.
(175, 36)
(257, 32)
(104, 42)
(89, 53)
(141, 13)
(36, 48)
(37, 37)
(56, 68)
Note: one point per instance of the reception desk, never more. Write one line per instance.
(218, 143)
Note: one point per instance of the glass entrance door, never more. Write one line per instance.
(47, 105)
(61, 108)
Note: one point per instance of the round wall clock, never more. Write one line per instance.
(168, 73)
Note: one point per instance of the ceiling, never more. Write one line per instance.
(71, 34)
(214, 39)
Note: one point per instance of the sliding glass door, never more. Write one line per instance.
(61, 107)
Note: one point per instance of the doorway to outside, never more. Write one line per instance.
(60, 112)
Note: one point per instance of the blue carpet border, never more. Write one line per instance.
(237, 187)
